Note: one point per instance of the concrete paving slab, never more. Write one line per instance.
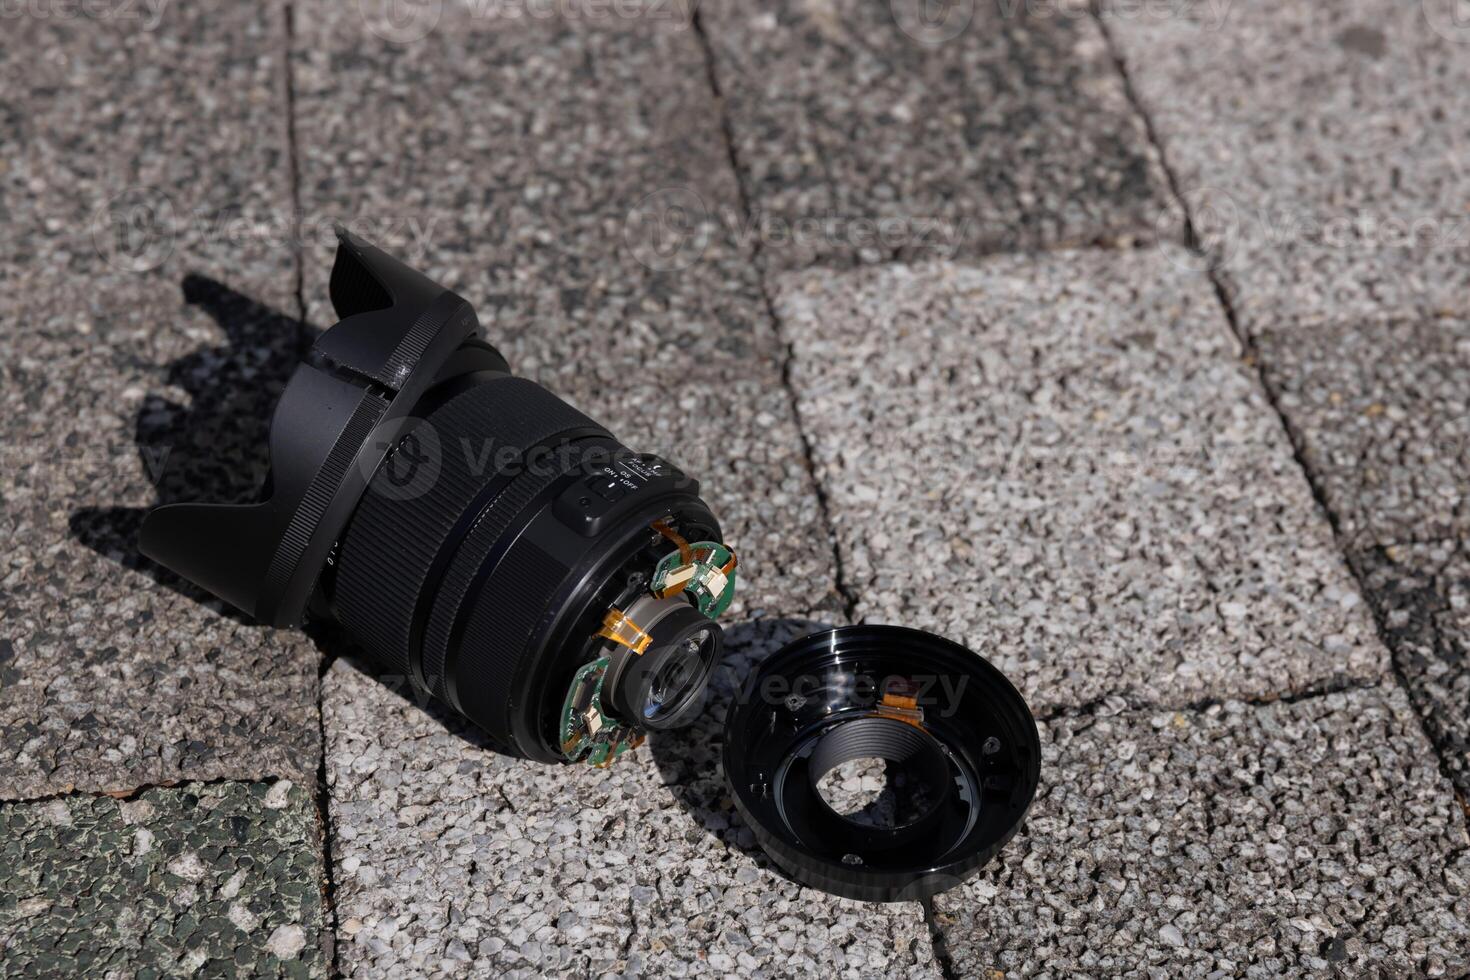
(143, 347)
(219, 878)
(868, 132)
(580, 145)
(1382, 409)
(1322, 149)
(452, 859)
(1062, 462)
(1422, 593)
(1299, 837)
(143, 141)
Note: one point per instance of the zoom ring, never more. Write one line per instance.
(391, 551)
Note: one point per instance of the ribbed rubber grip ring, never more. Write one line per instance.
(494, 520)
(497, 629)
(390, 551)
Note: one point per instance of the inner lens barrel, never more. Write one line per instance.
(489, 547)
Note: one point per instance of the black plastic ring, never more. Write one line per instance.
(903, 695)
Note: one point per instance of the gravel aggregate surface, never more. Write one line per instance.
(1321, 149)
(1063, 462)
(1382, 409)
(1422, 593)
(867, 132)
(206, 878)
(1299, 837)
(145, 339)
(451, 858)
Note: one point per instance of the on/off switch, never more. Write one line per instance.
(607, 488)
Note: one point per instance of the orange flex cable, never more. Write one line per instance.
(900, 707)
(686, 553)
(620, 629)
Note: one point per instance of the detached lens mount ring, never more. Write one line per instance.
(906, 748)
(958, 731)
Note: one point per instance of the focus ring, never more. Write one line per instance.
(494, 520)
(391, 546)
(497, 630)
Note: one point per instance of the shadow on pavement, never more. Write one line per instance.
(689, 759)
(215, 448)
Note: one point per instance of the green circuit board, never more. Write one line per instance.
(711, 589)
(587, 734)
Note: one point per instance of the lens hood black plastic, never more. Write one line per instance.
(938, 710)
(343, 410)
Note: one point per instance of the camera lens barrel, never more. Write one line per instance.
(505, 554)
(471, 531)
(458, 581)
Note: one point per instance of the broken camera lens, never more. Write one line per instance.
(469, 530)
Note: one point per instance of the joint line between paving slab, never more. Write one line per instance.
(1341, 685)
(937, 939)
(322, 797)
(293, 177)
(727, 130)
(323, 801)
(133, 792)
(1251, 356)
